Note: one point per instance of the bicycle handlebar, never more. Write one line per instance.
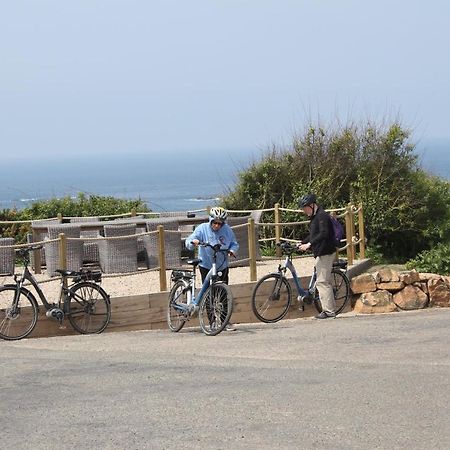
(287, 247)
(215, 247)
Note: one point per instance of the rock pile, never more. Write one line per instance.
(388, 290)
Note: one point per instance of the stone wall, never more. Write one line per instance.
(387, 290)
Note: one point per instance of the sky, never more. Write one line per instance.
(122, 77)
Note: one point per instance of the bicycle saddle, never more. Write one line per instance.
(194, 262)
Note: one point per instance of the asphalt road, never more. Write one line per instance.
(356, 382)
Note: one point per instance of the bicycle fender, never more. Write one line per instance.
(25, 292)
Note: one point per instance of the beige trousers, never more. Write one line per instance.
(324, 285)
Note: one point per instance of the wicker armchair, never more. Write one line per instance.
(7, 256)
(118, 255)
(241, 233)
(74, 248)
(40, 236)
(90, 248)
(172, 243)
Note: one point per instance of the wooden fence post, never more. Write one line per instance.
(162, 260)
(277, 229)
(133, 213)
(60, 217)
(362, 238)
(62, 244)
(252, 248)
(348, 233)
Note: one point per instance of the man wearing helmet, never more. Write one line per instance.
(321, 242)
(216, 231)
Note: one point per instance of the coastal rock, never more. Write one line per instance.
(375, 302)
(409, 276)
(387, 275)
(363, 283)
(439, 293)
(391, 285)
(425, 276)
(411, 297)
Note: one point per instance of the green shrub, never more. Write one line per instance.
(435, 260)
(82, 205)
(406, 210)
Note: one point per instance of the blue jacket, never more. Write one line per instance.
(223, 236)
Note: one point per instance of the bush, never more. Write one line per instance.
(406, 210)
(435, 260)
(82, 205)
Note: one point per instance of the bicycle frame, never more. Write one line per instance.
(195, 299)
(28, 276)
(289, 265)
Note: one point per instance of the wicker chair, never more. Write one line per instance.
(90, 248)
(74, 248)
(172, 243)
(118, 255)
(40, 237)
(7, 256)
(241, 233)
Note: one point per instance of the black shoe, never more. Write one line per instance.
(326, 315)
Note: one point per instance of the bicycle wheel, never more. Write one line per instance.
(271, 298)
(176, 316)
(89, 308)
(341, 290)
(215, 309)
(17, 321)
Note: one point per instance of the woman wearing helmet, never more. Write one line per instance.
(215, 231)
(321, 242)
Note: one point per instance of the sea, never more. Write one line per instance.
(169, 181)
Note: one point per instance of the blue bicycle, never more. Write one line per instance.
(272, 295)
(213, 303)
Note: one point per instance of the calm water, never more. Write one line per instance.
(167, 182)
(164, 182)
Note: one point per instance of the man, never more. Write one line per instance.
(321, 242)
(216, 231)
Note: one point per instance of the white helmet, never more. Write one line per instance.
(218, 213)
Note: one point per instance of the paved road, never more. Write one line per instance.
(357, 382)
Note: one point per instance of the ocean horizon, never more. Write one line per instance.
(167, 182)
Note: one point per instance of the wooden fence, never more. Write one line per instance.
(351, 215)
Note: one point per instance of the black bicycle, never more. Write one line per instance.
(82, 301)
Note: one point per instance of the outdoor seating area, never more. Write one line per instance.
(136, 242)
(127, 244)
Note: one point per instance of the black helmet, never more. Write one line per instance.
(306, 200)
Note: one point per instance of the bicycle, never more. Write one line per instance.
(213, 303)
(84, 302)
(272, 294)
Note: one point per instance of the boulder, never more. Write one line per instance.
(425, 276)
(387, 275)
(439, 293)
(375, 302)
(391, 285)
(409, 276)
(363, 283)
(411, 297)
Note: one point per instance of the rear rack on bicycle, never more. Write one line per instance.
(87, 275)
(178, 274)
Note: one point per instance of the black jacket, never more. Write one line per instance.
(321, 234)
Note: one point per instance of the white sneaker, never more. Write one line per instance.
(230, 327)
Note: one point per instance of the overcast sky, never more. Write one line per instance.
(130, 76)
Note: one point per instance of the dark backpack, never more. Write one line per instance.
(338, 231)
